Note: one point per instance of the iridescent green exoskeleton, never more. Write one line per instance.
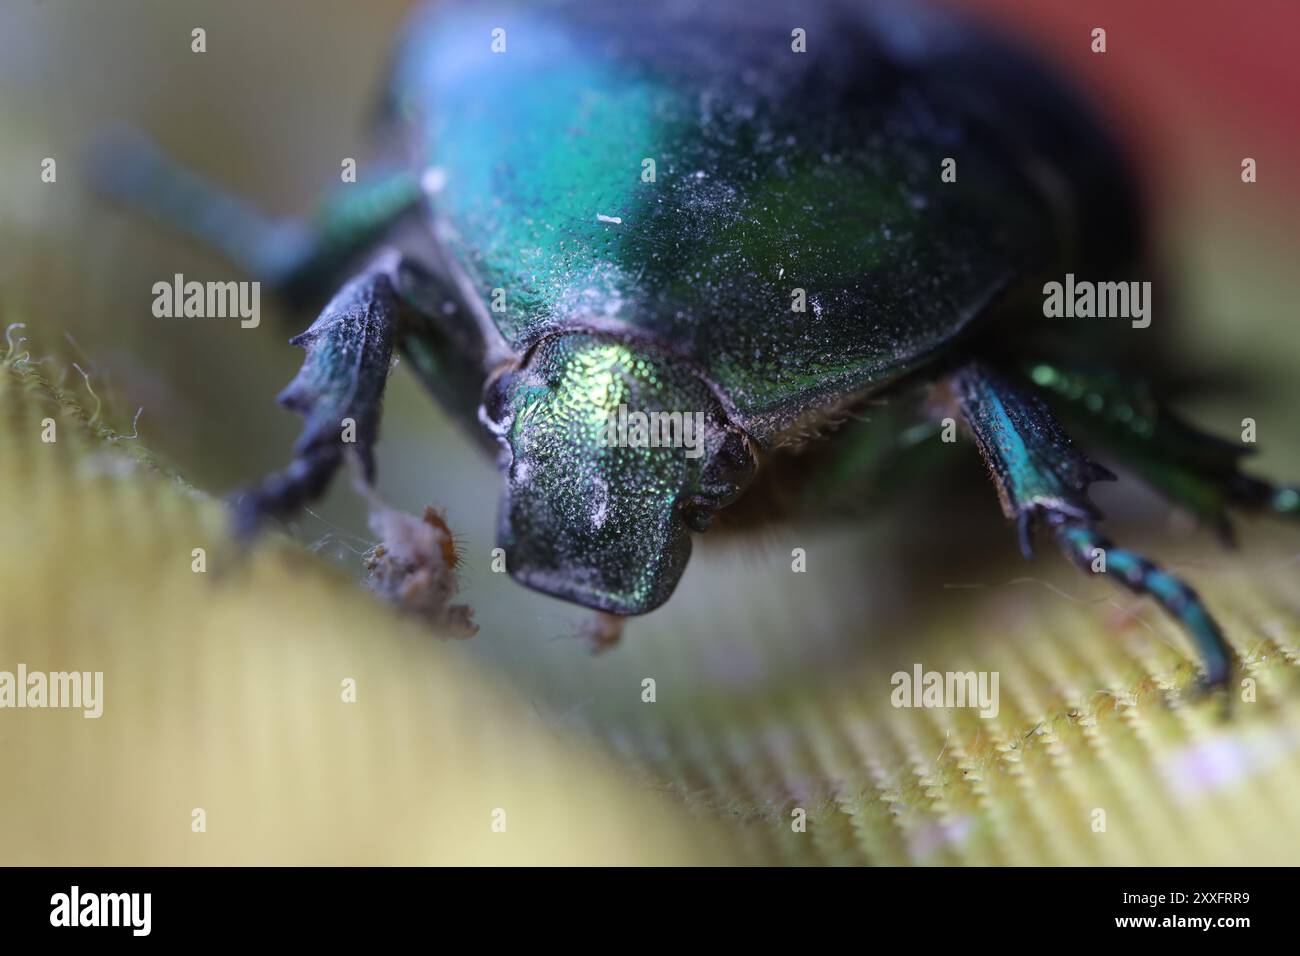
(741, 218)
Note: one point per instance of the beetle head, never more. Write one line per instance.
(613, 452)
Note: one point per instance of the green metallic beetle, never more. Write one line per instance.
(756, 216)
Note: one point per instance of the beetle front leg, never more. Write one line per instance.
(338, 391)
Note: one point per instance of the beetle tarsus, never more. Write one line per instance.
(1256, 494)
(284, 493)
(1087, 548)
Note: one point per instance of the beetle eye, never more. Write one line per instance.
(697, 513)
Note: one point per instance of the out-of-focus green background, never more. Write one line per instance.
(772, 687)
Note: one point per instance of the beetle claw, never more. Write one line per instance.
(1024, 530)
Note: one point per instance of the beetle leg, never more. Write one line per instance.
(1043, 478)
(1196, 470)
(299, 258)
(338, 392)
